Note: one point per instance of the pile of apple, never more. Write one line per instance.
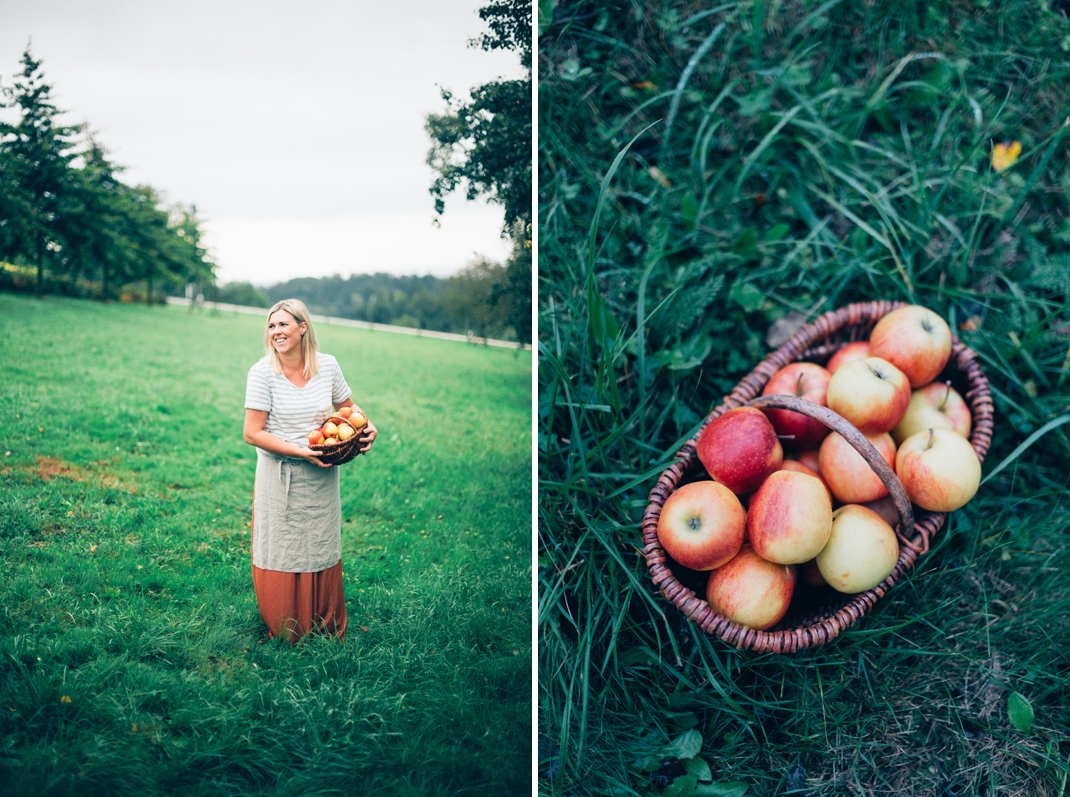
(338, 428)
(763, 516)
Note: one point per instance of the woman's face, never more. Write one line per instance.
(285, 333)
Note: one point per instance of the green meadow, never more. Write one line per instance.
(132, 656)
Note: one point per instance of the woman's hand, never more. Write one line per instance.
(367, 436)
(308, 455)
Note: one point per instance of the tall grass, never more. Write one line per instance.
(132, 656)
(711, 177)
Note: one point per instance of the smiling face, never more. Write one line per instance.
(285, 333)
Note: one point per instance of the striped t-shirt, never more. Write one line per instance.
(294, 411)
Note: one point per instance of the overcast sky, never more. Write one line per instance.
(296, 127)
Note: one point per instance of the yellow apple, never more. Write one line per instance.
(939, 469)
(937, 405)
(345, 431)
(861, 552)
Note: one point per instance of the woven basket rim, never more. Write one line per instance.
(818, 340)
(341, 453)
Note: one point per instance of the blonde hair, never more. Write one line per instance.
(309, 347)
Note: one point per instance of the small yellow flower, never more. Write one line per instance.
(65, 699)
(1005, 154)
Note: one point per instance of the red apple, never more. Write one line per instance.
(798, 467)
(315, 437)
(937, 405)
(344, 412)
(861, 552)
(790, 518)
(750, 590)
(915, 340)
(803, 380)
(852, 351)
(939, 469)
(740, 448)
(871, 393)
(701, 525)
(330, 429)
(850, 477)
(810, 575)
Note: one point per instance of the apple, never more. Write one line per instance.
(330, 441)
(315, 437)
(861, 552)
(937, 405)
(852, 351)
(810, 574)
(803, 380)
(345, 431)
(871, 393)
(750, 590)
(809, 458)
(740, 448)
(357, 420)
(885, 507)
(330, 429)
(798, 467)
(790, 518)
(915, 340)
(939, 469)
(701, 525)
(850, 477)
(344, 412)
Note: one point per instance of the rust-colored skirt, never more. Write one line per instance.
(295, 604)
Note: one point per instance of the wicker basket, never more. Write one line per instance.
(819, 615)
(341, 453)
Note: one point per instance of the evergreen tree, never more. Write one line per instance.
(37, 157)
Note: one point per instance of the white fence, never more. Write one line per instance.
(349, 322)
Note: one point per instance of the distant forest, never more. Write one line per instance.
(485, 299)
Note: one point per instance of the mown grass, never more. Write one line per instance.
(712, 176)
(132, 656)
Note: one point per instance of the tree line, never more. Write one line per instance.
(67, 218)
(485, 299)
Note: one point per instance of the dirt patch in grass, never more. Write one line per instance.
(48, 468)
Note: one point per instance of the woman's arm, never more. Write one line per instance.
(255, 435)
(369, 432)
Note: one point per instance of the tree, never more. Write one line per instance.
(485, 144)
(37, 158)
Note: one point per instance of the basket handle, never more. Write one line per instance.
(858, 441)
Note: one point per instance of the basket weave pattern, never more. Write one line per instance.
(815, 342)
(341, 453)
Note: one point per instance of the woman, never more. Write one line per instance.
(297, 513)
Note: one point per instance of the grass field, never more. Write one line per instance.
(712, 176)
(132, 656)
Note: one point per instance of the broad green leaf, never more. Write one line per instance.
(683, 786)
(686, 745)
(746, 296)
(698, 767)
(733, 788)
(776, 233)
(1020, 712)
(746, 243)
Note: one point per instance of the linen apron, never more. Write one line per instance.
(296, 547)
